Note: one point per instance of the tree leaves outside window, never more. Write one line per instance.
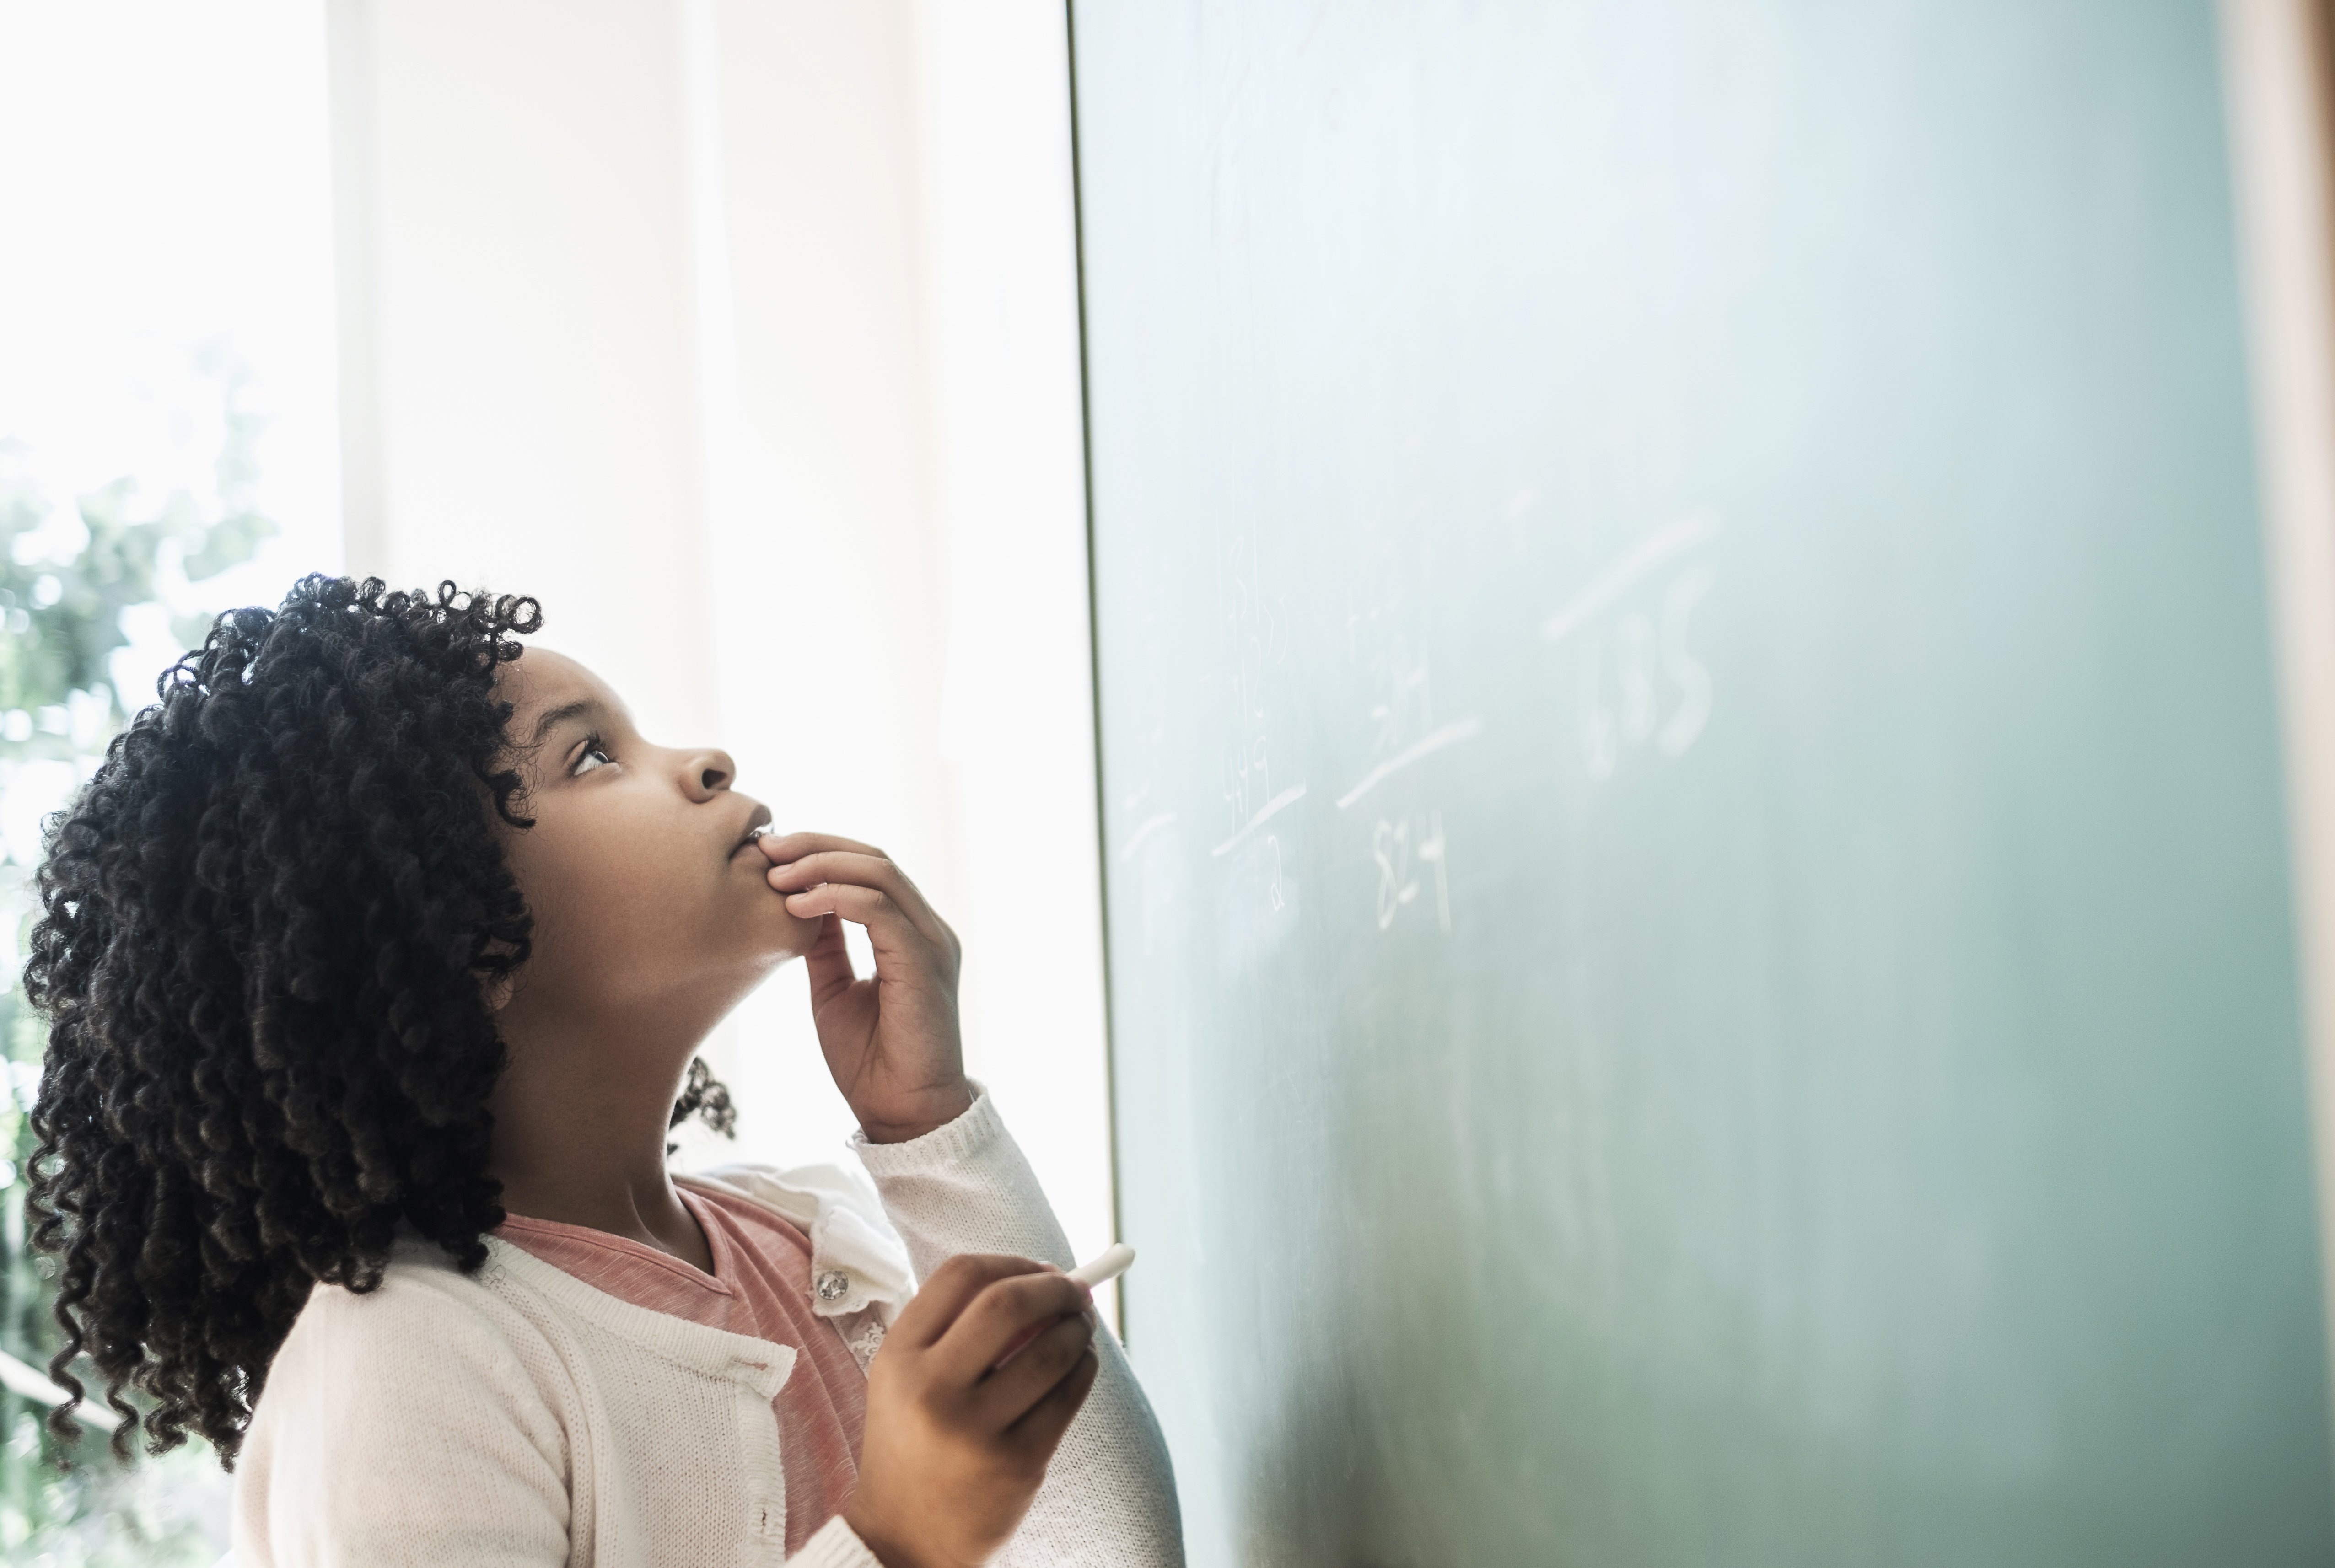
(70, 570)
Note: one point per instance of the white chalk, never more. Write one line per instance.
(1105, 1266)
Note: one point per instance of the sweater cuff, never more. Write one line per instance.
(835, 1545)
(972, 1134)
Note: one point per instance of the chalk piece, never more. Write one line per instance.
(1105, 1266)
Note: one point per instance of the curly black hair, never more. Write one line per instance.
(271, 922)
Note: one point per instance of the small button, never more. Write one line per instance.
(834, 1285)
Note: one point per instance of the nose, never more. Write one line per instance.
(705, 774)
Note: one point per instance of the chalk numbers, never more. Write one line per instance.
(1409, 852)
(1641, 681)
(1248, 775)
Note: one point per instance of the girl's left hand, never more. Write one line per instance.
(891, 1040)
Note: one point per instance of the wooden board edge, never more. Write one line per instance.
(2275, 61)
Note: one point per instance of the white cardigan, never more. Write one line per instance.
(521, 1418)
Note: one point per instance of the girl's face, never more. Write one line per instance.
(652, 904)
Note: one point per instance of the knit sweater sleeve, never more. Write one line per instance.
(356, 1458)
(1109, 1496)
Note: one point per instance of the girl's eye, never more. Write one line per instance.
(595, 755)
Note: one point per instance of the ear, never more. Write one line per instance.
(500, 989)
(497, 989)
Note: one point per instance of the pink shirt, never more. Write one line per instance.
(760, 1286)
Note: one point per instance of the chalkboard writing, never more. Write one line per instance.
(1698, 907)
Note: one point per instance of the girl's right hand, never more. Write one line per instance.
(891, 1038)
(956, 1445)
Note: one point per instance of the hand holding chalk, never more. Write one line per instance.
(1100, 1269)
(956, 1446)
(1105, 1266)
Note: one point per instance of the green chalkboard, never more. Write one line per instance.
(1697, 912)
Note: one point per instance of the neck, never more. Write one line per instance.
(582, 1116)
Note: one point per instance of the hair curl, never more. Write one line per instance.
(270, 924)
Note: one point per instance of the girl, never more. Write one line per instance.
(376, 956)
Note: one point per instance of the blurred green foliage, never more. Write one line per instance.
(63, 594)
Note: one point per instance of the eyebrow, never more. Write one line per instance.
(560, 715)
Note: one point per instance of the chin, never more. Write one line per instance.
(786, 936)
(762, 911)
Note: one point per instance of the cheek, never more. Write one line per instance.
(593, 904)
(585, 922)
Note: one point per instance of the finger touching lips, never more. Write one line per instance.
(757, 829)
(785, 847)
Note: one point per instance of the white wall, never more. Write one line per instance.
(1017, 701)
(744, 334)
(535, 380)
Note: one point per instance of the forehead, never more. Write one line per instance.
(542, 678)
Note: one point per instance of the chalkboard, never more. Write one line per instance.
(1698, 908)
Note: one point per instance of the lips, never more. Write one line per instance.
(756, 825)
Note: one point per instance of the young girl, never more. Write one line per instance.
(376, 956)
